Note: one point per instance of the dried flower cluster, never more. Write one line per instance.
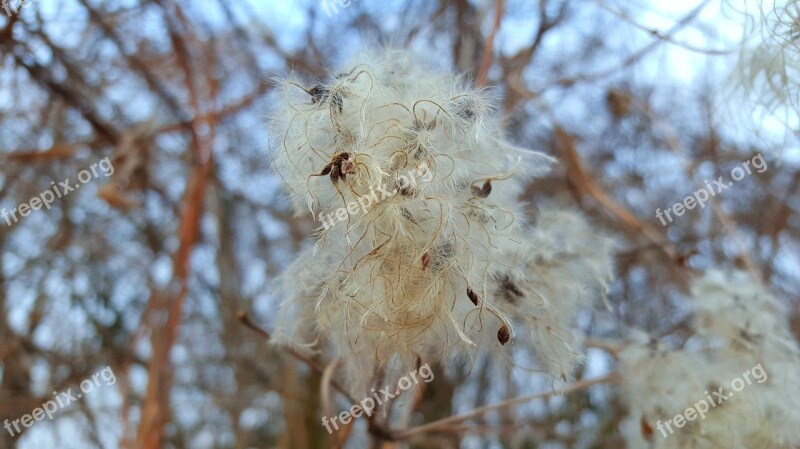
(737, 326)
(768, 67)
(443, 265)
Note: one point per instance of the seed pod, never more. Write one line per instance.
(407, 188)
(318, 94)
(337, 101)
(348, 166)
(503, 335)
(647, 429)
(472, 296)
(484, 191)
(508, 289)
(321, 94)
(407, 215)
(426, 260)
(335, 174)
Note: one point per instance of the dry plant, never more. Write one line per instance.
(483, 258)
(737, 325)
(442, 269)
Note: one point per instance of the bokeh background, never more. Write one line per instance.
(147, 270)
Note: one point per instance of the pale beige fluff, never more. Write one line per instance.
(738, 328)
(445, 265)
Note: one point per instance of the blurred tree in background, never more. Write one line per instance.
(146, 270)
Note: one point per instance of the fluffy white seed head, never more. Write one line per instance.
(424, 253)
(742, 341)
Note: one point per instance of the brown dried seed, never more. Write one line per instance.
(408, 215)
(503, 335)
(647, 429)
(318, 94)
(348, 166)
(406, 190)
(335, 173)
(326, 170)
(337, 101)
(510, 289)
(472, 296)
(321, 94)
(426, 260)
(486, 189)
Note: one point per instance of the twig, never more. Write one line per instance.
(488, 49)
(325, 395)
(442, 423)
(656, 33)
(635, 57)
(586, 184)
(374, 428)
(607, 346)
(673, 143)
(294, 353)
(325, 382)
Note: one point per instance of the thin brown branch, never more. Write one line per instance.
(656, 33)
(156, 406)
(637, 56)
(245, 319)
(586, 184)
(488, 49)
(612, 348)
(136, 63)
(72, 98)
(444, 424)
(56, 152)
